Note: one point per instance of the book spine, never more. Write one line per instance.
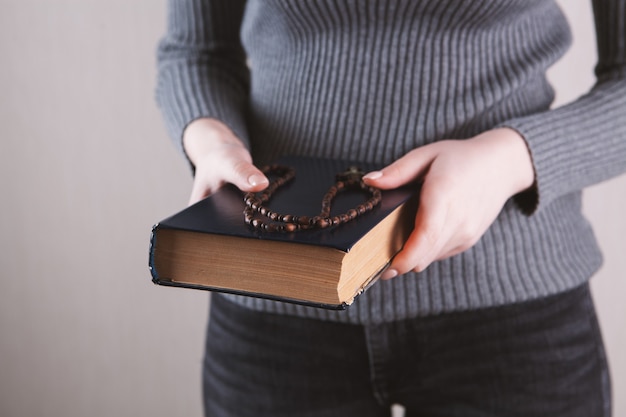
(153, 271)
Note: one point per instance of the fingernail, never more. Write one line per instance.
(374, 175)
(388, 274)
(256, 179)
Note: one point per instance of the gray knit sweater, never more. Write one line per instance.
(373, 79)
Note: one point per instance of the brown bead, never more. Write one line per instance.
(322, 223)
(280, 175)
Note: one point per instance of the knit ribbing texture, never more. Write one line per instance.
(371, 80)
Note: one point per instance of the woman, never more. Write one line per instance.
(486, 310)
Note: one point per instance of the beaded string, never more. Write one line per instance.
(350, 179)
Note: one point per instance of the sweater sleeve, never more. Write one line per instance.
(584, 142)
(202, 69)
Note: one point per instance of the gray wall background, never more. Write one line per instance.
(86, 168)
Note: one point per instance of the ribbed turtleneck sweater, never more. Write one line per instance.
(371, 80)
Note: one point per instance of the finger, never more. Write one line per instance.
(200, 190)
(428, 238)
(463, 241)
(245, 176)
(413, 256)
(410, 167)
(423, 246)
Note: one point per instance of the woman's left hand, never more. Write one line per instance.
(465, 184)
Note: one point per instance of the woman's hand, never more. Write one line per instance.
(465, 184)
(219, 158)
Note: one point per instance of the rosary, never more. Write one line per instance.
(350, 179)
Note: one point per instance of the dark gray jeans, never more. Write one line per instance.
(539, 358)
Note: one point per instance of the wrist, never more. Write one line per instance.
(517, 164)
(205, 135)
(523, 166)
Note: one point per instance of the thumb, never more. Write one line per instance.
(245, 176)
(407, 169)
(214, 171)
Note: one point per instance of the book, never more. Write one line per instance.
(209, 246)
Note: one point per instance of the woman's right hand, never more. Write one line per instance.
(219, 157)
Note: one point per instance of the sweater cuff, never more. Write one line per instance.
(574, 146)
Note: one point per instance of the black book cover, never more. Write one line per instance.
(222, 212)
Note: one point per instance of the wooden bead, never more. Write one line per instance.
(280, 175)
(322, 223)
